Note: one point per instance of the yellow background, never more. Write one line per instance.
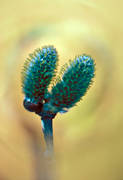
(88, 140)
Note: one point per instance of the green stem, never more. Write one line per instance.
(47, 128)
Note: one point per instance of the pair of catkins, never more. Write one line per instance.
(67, 88)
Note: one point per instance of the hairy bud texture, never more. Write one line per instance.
(76, 79)
(70, 86)
(38, 71)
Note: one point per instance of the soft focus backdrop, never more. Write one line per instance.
(88, 139)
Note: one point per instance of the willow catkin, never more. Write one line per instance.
(38, 71)
(76, 78)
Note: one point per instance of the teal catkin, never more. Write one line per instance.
(67, 89)
(38, 71)
(76, 78)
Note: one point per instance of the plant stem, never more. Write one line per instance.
(47, 128)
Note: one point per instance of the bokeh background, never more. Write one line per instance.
(88, 139)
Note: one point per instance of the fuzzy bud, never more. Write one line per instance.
(76, 79)
(38, 71)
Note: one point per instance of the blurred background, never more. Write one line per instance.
(88, 139)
